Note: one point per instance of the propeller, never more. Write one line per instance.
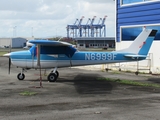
(9, 67)
(9, 62)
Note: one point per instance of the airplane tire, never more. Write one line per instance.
(20, 76)
(52, 77)
(136, 72)
(57, 73)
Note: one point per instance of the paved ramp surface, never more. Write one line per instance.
(77, 95)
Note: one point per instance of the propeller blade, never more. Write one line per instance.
(9, 67)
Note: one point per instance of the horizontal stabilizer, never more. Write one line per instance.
(135, 56)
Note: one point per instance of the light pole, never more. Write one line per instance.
(56, 32)
(14, 31)
(14, 35)
(32, 32)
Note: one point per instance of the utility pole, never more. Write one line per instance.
(14, 31)
(32, 32)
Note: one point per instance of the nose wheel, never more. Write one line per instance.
(20, 76)
(52, 77)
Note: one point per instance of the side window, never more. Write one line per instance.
(33, 50)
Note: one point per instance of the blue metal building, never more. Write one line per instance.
(131, 17)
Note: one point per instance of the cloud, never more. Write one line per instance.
(50, 18)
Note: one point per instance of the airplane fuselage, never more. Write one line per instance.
(25, 59)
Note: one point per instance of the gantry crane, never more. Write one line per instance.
(90, 28)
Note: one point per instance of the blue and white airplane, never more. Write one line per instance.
(47, 54)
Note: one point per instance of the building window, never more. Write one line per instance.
(129, 2)
(130, 33)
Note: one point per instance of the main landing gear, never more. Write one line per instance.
(52, 77)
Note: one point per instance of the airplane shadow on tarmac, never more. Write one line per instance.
(85, 83)
(89, 84)
(154, 80)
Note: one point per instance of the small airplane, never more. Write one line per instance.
(46, 54)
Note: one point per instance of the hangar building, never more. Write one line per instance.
(14, 42)
(95, 42)
(131, 17)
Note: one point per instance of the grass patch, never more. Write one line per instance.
(116, 72)
(131, 82)
(27, 93)
(103, 70)
(2, 53)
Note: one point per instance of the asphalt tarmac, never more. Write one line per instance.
(77, 95)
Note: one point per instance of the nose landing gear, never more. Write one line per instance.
(21, 75)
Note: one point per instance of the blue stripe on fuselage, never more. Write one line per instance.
(91, 56)
(87, 56)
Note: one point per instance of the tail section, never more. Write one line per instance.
(142, 43)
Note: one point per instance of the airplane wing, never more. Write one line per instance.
(50, 43)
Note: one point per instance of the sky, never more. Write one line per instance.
(49, 18)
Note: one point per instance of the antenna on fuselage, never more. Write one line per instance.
(60, 38)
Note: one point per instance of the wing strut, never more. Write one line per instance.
(38, 63)
(38, 55)
(70, 60)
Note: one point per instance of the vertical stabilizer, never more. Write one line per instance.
(142, 43)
